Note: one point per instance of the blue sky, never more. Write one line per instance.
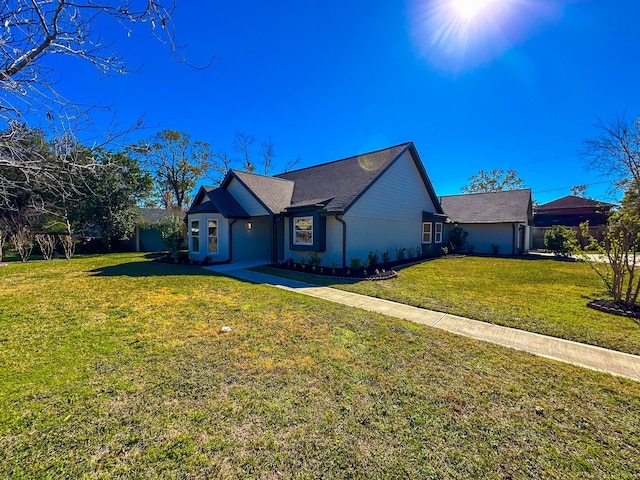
(521, 87)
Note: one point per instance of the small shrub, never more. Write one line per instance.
(385, 256)
(47, 244)
(372, 259)
(411, 252)
(3, 238)
(314, 259)
(562, 241)
(470, 248)
(457, 239)
(172, 231)
(354, 263)
(400, 253)
(22, 243)
(495, 248)
(68, 245)
(445, 250)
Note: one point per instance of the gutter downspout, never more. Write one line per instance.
(513, 239)
(277, 219)
(344, 240)
(231, 239)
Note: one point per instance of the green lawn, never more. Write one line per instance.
(542, 296)
(113, 366)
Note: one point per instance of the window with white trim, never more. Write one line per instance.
(438, 233)
(303, 230)
(195, 235)
(212, 236)
(426, 232)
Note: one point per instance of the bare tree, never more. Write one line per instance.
(266, 150)
(47, 244)
(220, 166)
(615, 153)
(291, 164)
(579, 190)
(68, 245)
(32, 30)
(3, 238)
(22, 242)
(241, 144)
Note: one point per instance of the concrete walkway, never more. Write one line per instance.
(588, 356)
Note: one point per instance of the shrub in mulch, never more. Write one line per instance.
(616, 308)
(379, 272)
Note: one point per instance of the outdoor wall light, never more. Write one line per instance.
(249, 226)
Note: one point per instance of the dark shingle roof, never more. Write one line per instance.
(338, 184)
(274, 193)
(571, 201)
(493, 207)
(152, 215)
(218, 201)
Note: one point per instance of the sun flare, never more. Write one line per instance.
(459, 34)
(470, 9)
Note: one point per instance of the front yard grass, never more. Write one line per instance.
(544, 296)
(113, 366)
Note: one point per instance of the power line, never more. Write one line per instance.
(569, 188)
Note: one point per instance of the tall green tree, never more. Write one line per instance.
(495, 180)
(177, 163)
(110, 196)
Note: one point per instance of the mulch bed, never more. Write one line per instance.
(615, 308)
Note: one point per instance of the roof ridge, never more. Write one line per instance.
(485, 193)
(404, 144)
(270, 177)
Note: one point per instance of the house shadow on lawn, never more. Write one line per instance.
(150, 269)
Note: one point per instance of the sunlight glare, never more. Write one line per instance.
(459, 34)
(470, 9)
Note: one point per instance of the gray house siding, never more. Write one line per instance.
(389, 214)
(223, 234)
(251, 244)
(246, 199)
(507, 236)
(386, 216)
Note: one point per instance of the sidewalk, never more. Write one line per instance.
(588, 356)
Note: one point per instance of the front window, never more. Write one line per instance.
(213, 236)
(303, 231)
(195, 235)
(438, 233)
(426, 232)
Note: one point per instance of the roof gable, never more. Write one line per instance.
(572, 201)
(509, 206)
(337, 185)
(273, 193)
(217, 200)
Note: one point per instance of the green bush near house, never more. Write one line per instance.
(561, 240)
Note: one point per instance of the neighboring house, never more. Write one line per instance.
(495, 218)
(147, 238)
(340, 210)
(570, 211)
